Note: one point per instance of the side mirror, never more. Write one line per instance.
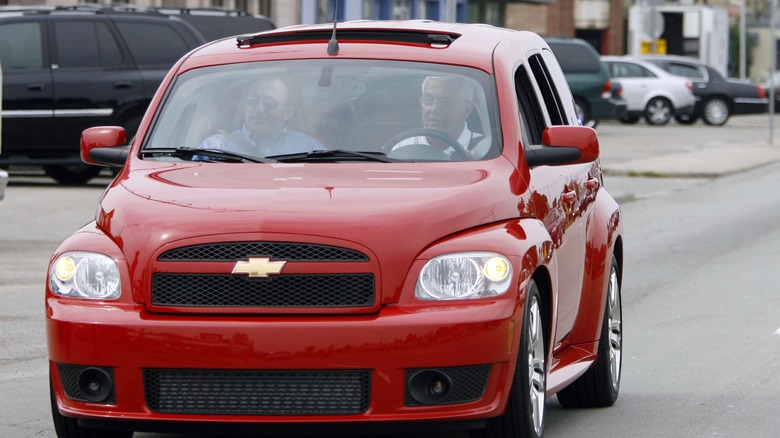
(564, 144)
(104, 146)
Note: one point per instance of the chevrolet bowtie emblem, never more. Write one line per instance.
(258, 267)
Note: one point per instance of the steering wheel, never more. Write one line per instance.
(460, 152)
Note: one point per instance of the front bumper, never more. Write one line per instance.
(389, 346)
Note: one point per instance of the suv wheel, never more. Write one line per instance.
(72, 174)
(583, 113)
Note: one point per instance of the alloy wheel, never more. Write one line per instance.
(536, 364)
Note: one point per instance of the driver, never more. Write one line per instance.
(446, 102)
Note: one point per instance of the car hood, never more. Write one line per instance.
(398, 208)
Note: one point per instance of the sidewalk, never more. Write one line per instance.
(639, 160)
(705, 163)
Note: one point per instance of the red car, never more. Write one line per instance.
(425, 244)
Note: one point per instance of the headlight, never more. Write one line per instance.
(85, 275)
(464, 275)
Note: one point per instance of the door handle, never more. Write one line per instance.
(35, 87)
(123, 85)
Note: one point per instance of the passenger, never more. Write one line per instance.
(265, 133)
(446, 103)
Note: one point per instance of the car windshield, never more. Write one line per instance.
(357, 110)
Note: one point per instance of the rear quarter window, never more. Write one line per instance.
(576, 58)
(153, 45)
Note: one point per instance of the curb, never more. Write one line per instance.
(706, 163)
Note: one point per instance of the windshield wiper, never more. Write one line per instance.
(197, 154)
(334, 155)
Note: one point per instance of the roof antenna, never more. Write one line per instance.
(333, 45)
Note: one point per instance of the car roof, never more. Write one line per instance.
(411, 40)
(675, 58)
(639, 61)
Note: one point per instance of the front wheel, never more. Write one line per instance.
(600, 385)
(525, 409)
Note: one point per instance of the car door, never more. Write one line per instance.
(637, 82)
(93, 78)
(27, 88)
(556, 198)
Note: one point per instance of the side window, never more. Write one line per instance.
(629, 70)
(686, 70)
(153, 45)
(20, 46)
(86, 44)
(530, 112)
(561, 86)
(557, 99)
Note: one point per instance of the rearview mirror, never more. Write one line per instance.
(564, 144)
(104, 146)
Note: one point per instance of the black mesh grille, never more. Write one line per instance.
(258, 392)
(215, 290)
(294, 252)
(468, 384)
(69, 375)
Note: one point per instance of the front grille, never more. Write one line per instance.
(69, 376)
(293, 252)
(258, 392)
(217, 290)
(468, 384)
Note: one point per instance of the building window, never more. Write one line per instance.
(401, 10)
(432, 10)
(372, 9)
(264, 7)
(325, 9)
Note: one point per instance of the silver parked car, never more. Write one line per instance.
(649, 91)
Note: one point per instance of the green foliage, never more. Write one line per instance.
(750, 44)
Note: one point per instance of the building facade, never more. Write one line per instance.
(600, 22)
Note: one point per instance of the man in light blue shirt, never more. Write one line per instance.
(265, 132)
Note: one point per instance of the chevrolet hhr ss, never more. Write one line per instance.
(373, 226)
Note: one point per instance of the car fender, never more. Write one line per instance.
(604, 235)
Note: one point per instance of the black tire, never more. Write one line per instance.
(600, 385)
(658, 111)
(629, 120)
(686, 119)
(73, 174)
(716, 112)
(524, 415)
(67, 427)
(583, 112)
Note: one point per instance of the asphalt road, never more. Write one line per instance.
(700, 293)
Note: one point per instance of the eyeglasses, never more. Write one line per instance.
(445, 102)
(269, 103)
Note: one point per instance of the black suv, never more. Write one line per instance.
(69, 68)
